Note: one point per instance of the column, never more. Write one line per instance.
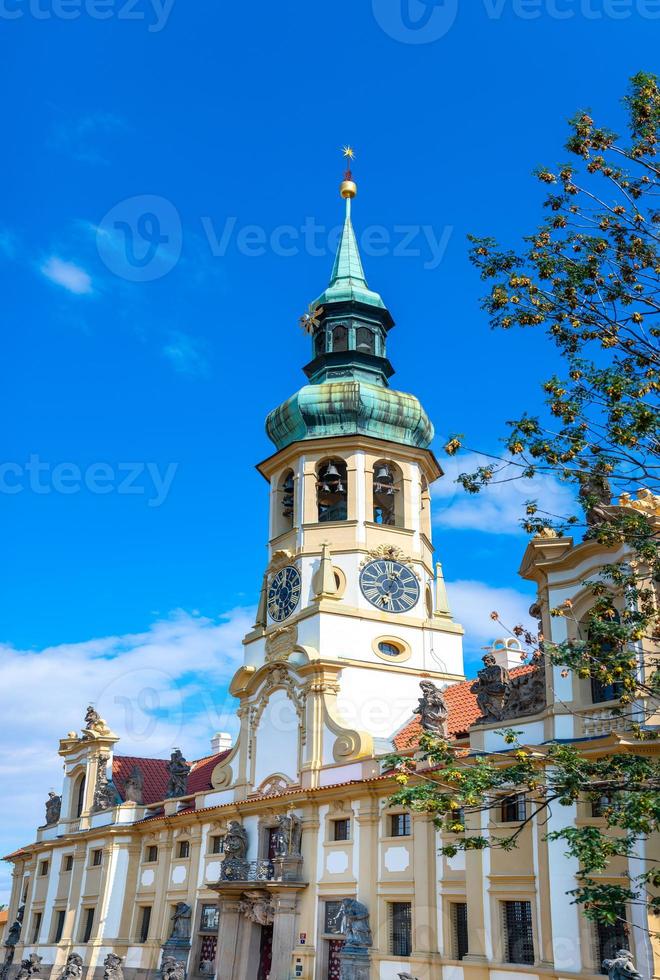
(284, 933)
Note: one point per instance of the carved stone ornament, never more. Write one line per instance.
(289, 835)
(352, 920)
(272, 785)
(646, 502)
(280, 643)
(235, 865)
(94, 726)
(134, 786)
(14, 933)
(432, 710)
(178, 770)
(389, 551)
(73, 967)
(53, 808)
(622, 967)
(112, 967)
(172, 969)
(257, 907)
(180, 923)
(499, 696)
(105, 794)
(279, 560)
(29, 967)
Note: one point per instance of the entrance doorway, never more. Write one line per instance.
(265, 953)
(334, 964)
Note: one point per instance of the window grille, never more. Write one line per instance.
(610, 937)
(514, 809)
(400, 825)
(400, 928)
(145, 921)
(330, 925)
(341, 829)
(459, 925)
(518, 932)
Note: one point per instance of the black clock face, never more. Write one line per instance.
(283, 593)
(389, 585)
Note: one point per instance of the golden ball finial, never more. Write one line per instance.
(348, 187)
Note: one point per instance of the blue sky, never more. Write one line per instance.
(216, 126)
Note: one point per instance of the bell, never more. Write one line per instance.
(340, 488)
(288, 484)
(384, 474)
(331, 471)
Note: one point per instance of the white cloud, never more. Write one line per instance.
(186, 354)
(471, 604)
(68, 275)
(498, 508)
(163, 687)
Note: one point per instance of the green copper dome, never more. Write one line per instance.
(348, 391)
(350, 407)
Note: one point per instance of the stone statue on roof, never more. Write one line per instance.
(134, 786)
(491, 687)
(29, 967)
(53, 808)
(432, 710)
(178, 770)
(94, 726)
(14, 933)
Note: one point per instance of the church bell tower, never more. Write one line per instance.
(353, 611)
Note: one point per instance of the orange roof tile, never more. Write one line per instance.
(154, 772)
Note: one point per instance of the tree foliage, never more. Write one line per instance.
(590, 278)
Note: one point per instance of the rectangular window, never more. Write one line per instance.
(518, 933)
(610, 938)
(330, 924)
(88, 923)
(184, 848)
(459, 928)
(59, 925)
(272, 842)
(145, 921)
(400, 928)
(210, 919)
(216, 845)
(68, 862)
(36, 926)
(151, 854)
(341, 829)
(43, 868)
(400, 825)
(514, 809)
(97, 857)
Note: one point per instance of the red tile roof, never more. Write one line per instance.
(154, 772)
(462, 708)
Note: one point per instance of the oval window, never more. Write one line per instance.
(389, 649)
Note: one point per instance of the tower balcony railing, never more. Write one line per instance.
(262, 870)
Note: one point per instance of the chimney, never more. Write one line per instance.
(220, 742)
(507, 652)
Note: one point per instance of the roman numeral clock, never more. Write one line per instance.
(388, 584)
(284, 593)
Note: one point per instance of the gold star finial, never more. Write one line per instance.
(349, 153)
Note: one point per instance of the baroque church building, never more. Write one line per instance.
(281, 855)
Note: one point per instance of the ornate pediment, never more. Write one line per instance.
(280, 643)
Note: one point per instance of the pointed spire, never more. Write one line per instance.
(348, 264)
(441, 599)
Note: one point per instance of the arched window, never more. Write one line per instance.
(319, 343)
(79, 796)
(602, 689)
(339, 338)
(284, 504)
(365, 341)
(388, 494)
(332, 491)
